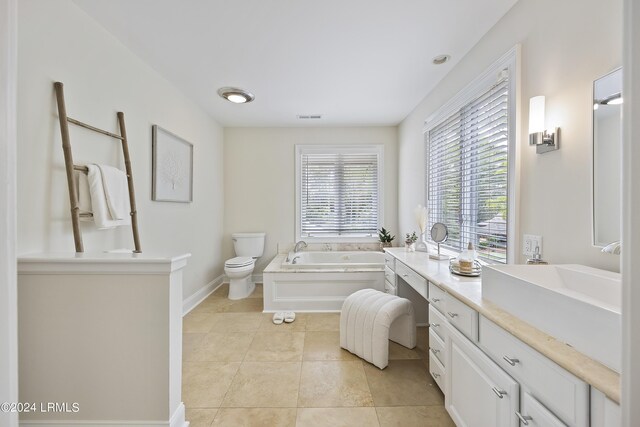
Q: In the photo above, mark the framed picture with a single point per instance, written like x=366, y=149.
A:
x=172, y=167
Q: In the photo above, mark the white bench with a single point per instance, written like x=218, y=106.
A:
x=370, y=318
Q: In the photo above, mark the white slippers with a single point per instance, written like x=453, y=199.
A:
x=289, y=316
x=278, y=318
x=283, y=316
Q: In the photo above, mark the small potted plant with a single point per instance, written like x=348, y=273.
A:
x=385, y=238
x=410, y=242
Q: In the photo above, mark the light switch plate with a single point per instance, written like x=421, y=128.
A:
x=529, y=244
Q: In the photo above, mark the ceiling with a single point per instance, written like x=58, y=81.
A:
x=355, y=62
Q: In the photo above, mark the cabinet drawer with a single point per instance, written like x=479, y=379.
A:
x=389, y=261
x=437, y=347
x=437, y=297
x=536, y=415
x=437, y=371
x=437, y=323
x=390, y=275
x=414, y=280
x=463, y=317
x=560, y=391
x=389, y=288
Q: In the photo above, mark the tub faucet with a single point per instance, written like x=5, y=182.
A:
x=612, y=248
x=300, y=246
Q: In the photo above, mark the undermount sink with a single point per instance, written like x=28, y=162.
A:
x=575, y=304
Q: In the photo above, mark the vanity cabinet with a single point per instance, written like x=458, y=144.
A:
x=479, y=393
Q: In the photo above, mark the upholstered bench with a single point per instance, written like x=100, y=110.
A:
x=370, y=318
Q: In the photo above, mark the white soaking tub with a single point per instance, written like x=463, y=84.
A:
x=319, y=280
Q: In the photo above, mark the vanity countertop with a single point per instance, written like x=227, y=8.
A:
x=469, y=291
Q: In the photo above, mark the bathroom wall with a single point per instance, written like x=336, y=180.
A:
x=58, y=41
x=565, y=46
x=259, y=176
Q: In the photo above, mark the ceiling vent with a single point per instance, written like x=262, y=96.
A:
x=309, y=116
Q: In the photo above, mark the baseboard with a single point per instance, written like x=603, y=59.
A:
x=191, y=302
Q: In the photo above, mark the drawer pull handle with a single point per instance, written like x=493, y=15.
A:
x=510, y=360
x=436, y=376
x=498, y=392
x=435, y=299
x=524, y=418
x=435, y=350
x=434, y=325
x=405, y=275
x=452, y=315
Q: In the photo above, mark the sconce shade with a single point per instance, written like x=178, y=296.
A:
x=536, y=114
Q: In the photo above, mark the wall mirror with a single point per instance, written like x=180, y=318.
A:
x=607, y=146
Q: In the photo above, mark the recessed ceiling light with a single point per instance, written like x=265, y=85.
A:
x=235, y=95
x=441, y=59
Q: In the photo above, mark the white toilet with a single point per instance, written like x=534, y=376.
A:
x=248, y=247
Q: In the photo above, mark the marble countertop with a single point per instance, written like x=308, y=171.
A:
x=469, y=291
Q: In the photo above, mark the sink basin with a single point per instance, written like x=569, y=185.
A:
x=575, y=304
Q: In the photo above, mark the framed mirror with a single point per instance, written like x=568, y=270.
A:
x=607, y=158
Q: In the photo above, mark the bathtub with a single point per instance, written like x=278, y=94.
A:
x=319, y=281
x=333, y=260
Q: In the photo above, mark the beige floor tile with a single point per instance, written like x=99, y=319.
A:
x=200, y=417
x=246, y=305
x=298, y=325
x=222, y=291
x=323, y=321
x=414, y=416
x=234, y=322
x=333, y=384
x=324, y=345
x=276, y=347
x=403, y=383
x=265, y=385
x=190, y=342
x=218, y=347
x=257, y=293
x=337, y=417
x=213, y=305
x=197, y=322
x=399, y=352
x=256, y=417
x=204, y=384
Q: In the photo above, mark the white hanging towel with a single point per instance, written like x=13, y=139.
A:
x=109, y=196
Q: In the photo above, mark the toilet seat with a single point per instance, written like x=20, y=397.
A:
x=238, y=262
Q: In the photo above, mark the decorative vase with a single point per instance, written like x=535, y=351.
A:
x=410, y=247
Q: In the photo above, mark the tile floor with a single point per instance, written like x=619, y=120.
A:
x=239, y=369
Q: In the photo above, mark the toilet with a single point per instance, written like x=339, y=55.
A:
x=248, y=248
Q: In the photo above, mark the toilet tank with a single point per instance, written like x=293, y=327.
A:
x=248, y=244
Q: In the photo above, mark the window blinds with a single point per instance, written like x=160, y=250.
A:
x=467, y=184
x=339, y=193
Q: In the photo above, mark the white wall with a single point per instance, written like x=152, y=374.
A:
x=58, y=41
x=259, y=176
x=565, y=46
x=8, y=292
x=630, y=223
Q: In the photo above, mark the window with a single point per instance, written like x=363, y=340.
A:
x=468, y=170
x=338, y=192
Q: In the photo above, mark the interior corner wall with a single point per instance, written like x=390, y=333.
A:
x=60, y=42
x=565, y=46
x=259, y=176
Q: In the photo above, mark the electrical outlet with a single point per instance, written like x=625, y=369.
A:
x=529, y=244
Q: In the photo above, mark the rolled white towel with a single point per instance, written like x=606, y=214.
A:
x=104, y=216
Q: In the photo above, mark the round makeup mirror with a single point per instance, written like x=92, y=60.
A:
x=439, y=234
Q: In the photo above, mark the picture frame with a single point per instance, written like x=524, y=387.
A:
x=171, y=167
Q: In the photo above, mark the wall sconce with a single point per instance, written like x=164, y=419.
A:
x=538, y=135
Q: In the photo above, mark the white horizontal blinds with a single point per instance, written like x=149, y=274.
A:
x=468, y=174
x=339, y=194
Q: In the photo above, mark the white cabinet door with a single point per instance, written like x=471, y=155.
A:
x=480, y=394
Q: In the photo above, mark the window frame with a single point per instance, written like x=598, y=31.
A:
x=301, y=149
x=509, y=63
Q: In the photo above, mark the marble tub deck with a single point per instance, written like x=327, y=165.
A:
x=239, y=369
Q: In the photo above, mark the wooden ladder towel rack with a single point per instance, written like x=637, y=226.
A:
x=71, y=167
